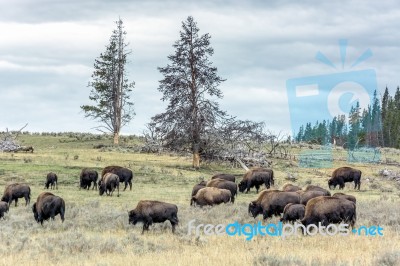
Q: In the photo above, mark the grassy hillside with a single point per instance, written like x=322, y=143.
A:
x=96, y=229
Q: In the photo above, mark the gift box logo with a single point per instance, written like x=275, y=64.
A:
x=322, y=97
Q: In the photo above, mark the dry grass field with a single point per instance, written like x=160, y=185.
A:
x=96, y=229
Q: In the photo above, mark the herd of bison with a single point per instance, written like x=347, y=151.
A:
x=309, y=205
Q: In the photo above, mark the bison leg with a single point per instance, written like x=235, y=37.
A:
x=130, y=185
x=126, y=185
x=257, y=188
x=16, y=202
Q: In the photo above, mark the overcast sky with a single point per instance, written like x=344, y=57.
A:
x=48, y=48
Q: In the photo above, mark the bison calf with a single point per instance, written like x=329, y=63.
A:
x=149, y=212
x=293, y=212
x=16, y=191
x=51, y=180
x=108, y=183
x=3, y=208
x=48, y=206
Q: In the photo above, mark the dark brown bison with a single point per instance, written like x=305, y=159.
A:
x=345, y=196
x=197, y=187
x=125, y=175
x=108, y=183
x=255, y=178
x=293, y=212
x=225, y=184
x=305, y=196
x=272, y=202
x=345, y=174
x=87, y=177
x=3, y=208
x=48, y=206
x=317, y=188
x=228, y=177
x=149, y=212
x=211, y=196
x=16, y=191
x=290, y=188
x=51, y=180
x=329, y=210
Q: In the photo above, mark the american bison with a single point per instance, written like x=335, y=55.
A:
x=16, y=191
x=255, y=178
x=317, y=188
x=227, y=177
x=48, y=206
x=51, y=180
x=225, y=184
x=108, y=183
x=149, y=212
x=211, y=196
x=305, y=196
x=87, y=177
x=290, y=188
x=345, y=174
x=199, y=186
x=345, y=196
x=272, y=202
x=293, y=212
x=329, y=210
x=125, y=175
x=3, y=208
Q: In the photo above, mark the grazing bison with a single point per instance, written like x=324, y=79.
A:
x=255, y=178
x=48, y=206
x=345, y=196
x=149, y=212
x=329, y=210
x=317, y=188
x=290, y=188
x=227, y=177
x=108, y=183
x=87, y=177
x=293, y=212
x=225, y=184
x=125, y=175
x=16, y=191
x=211, y=196
x=345, y=174
x=3, y=208
x=197, y=187
x=305, y=196
x=272, y=202
x=51, y=180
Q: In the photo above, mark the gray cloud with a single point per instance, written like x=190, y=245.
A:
x=48, y=49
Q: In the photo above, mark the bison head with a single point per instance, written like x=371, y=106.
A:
x=102, y=189
x=35, y=214
x=4, y=198
x=332, y=183
x=242, y=186
x=133, y=217
x=254, y=209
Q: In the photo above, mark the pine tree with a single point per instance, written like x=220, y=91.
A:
x=190, y=81
x=110, y=86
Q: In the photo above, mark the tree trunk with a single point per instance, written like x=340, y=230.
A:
x=196, y=160
x=196, y=156
x=116, y=138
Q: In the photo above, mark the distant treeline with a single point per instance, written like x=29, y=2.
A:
x=376, y=126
